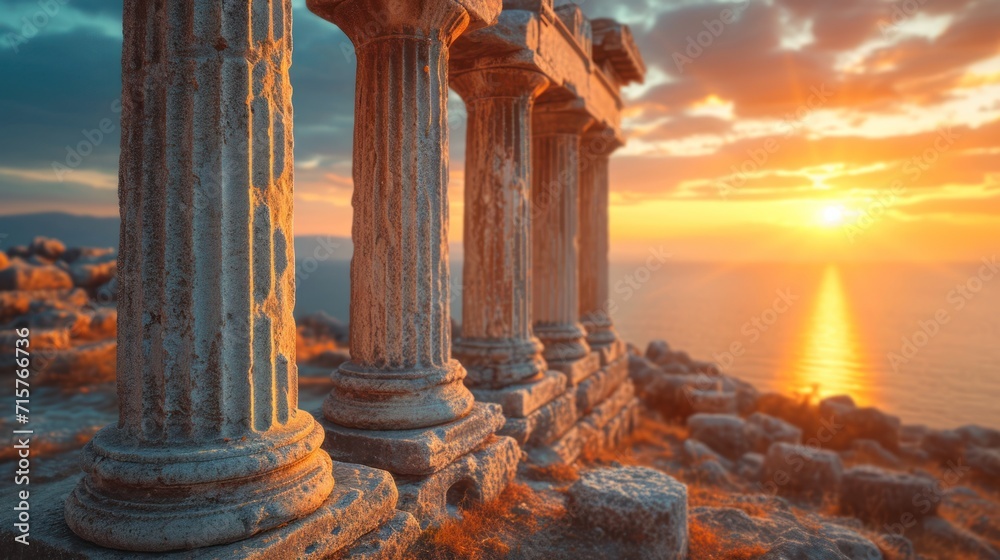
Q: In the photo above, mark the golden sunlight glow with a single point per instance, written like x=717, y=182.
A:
x=827, y=360
x=833, y=215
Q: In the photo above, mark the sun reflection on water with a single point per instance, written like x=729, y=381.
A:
x=828, y=358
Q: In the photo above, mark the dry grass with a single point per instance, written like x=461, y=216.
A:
x=710, y=496
x=560, y=474
x=706, y=544
x=489, y=530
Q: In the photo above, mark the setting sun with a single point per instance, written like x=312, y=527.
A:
x=833, y=215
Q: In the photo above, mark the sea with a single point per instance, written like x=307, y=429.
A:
x=921, y=341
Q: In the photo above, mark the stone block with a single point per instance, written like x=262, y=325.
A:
x=544, y=425
x=880, y=496
x=598, y=386
x=802, y=472
x=578, y=370
x=473, y=478
x=643, y=507
x=612, y=352
x=518, y=401
x=362, y=500
x=415, y=452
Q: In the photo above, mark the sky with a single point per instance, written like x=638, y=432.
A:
x=766, y=130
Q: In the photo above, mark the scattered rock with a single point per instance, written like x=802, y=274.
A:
x=658, y=352
x=4, y=260
x=330, y=359
x=48, y=248
x=763, y=430
x=943, y=445
x=985, y=464
x=643, y=373
x=634, y=504
x=979, y=436
x=870, y=451
x=697, y=452
x=22, y=276
x=781, y=535
x=712, y=401
x=879, y=496
x=18, y=251
x=322, y=326
x=958, y=540
x=750, y=466
x=898, y=546
x=858, y=423
x=724, y=433
x=91, y=255
x=801, y=471
x=91, y=276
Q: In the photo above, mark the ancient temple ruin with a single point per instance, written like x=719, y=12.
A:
x=211, y=452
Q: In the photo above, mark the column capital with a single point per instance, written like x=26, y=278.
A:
x=600, y=141
x=445, y=20
x=482, y=83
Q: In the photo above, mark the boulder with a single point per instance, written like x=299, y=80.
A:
x=870, y=451
x=724, y=433
x=658, y=352
x=322, y=326
x=696, y=452
x=643, y=372
x=18, y=251
x=22, y=276
x=711, y=401
x=762, y=430
x=943, y=445
x=880, y=496
x=985, y=464
x=779, y=535
x=81, y=365
x=852, y=422
x=641, y=506
x=750, y=466
x=708, y=368
x=802, y=472
x=4, y=260
x=979, y=436
x=88, y=255
x=42, y=339
x=330, y=359
x=712, y=473
x=91, y=276
x=47, y=248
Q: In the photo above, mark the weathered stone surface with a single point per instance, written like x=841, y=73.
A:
x=943, y=445
x=498, y=346
x=658, y=352
x=4, y=260
x=801, y=471
x=22, y=276
x=870, y=451
x=361, y=501
x=421, y=451
x=879, y=496
x=389, y=542
x=711, y=401
x=520, y=400
x=697, y=452
x=473, y=478
x=724, y=433
x=985, y=464
x=90, y=276
x=635, y=504
x=763, y=430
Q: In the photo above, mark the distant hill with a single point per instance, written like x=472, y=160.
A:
x=74, y=230
x=91, y=231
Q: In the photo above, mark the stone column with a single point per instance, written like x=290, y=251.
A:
x=210, y=446
x=555, y=215
x=497, y=346
x=401, y=375
x=596, y=148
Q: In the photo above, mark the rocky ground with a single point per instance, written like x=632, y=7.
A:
x=766, y=475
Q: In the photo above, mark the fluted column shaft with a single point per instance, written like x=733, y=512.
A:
x=597, y=147
x=555, y=217
x=498, y=347
x=209, y=429
x=401, y=375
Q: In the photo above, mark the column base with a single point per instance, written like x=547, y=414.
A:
x=375, y=399
x=601, y=333
x=361, y=508
x=474, y=478
x=563, y=342
x=497, y=363
x=417, y=452
x=160, y=498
